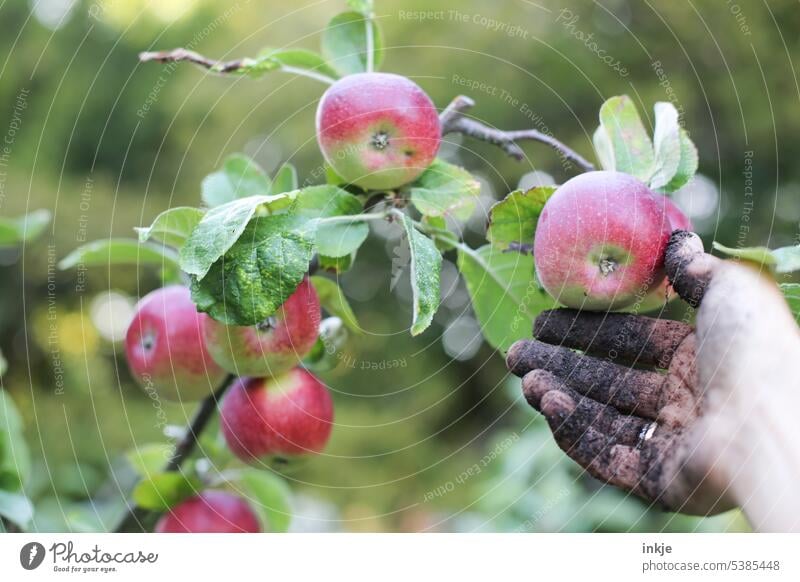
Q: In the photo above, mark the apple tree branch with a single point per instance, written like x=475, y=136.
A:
x=453, y=120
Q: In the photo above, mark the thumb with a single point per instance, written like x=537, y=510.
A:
x=689, y=268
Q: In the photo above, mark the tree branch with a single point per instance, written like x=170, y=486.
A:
x=453, y=120
x=182, y=54
x=132, y=520
x=240, y=66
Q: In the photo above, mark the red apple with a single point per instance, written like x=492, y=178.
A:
x=277, y=419
x=165, y=348
x=272, y=347
x=210, y=512
x=663, y=294
x=378, y=130
x=600, y=241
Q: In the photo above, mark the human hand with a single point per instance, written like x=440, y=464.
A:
x=695, y=420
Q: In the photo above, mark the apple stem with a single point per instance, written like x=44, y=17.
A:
x=453, y=120
x=134, y=517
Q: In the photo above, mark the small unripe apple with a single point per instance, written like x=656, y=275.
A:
x=274, y=420
x=210, y=512
x=661, y=295
x=165, y=348
x=273, y=346
x=600, y=241
x=378, y=130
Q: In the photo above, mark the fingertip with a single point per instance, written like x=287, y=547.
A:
x=556, y=406
x=688, y=266
x=536, y=384
x=514, y=357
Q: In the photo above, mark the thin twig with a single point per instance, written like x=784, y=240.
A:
x=183, y=449
x=182, y=54
x=453, y=120
x=226, y=67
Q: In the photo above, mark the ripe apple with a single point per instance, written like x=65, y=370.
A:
x=378, y=130
x=277, y=419
x=210, y=512
x=165, y=348
x=273, y=346
x=663, y=294
x=600, y=241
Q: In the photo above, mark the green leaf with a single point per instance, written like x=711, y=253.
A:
x=445, y=239
x=240, y=177
x=299, y=61
x=15, y=464
x=14, y=231
x=149, y=459
x=257, y=274
x=667, y=145
x=514, y=219
x=426, y=264
x=504, y=293
x=603, y=148
x=345, y=43
x=16, y=507
x=630, y=144
x=445, y=190
x=760, y=255
x=782, y=260
x=334, y=302
x=787, y=259
x=173, y=226
x=336, y=264
x=3, y=364
x=219, y=229
x=791, y=291
x=688, y=165
x=285, y=180
x=118, y=251
x=322, y=212
x=165, y=490
x=272, y=495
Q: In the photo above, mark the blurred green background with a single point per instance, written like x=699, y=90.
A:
x=106, y=143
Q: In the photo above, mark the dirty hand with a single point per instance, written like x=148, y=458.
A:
x=695, y=420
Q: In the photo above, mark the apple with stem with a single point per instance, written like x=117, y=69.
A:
x=600, y=241
x=273, y=346
x=210, y=512
x=165, y=348
x=275, y=420
x=378, y=130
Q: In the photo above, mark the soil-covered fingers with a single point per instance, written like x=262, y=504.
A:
x=689, y=268
x=629, y=390
x=621, y=337
x=600, y=454
x=588, y=413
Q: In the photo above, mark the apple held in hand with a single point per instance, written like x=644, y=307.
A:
x=378, y=130
x=165, y=348
x=273, y=346
x=600, y=241
x=210, y=512
x=277, y=419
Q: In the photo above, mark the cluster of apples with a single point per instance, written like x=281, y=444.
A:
x=600, y=243
x=274, y=411
x=377, y=131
